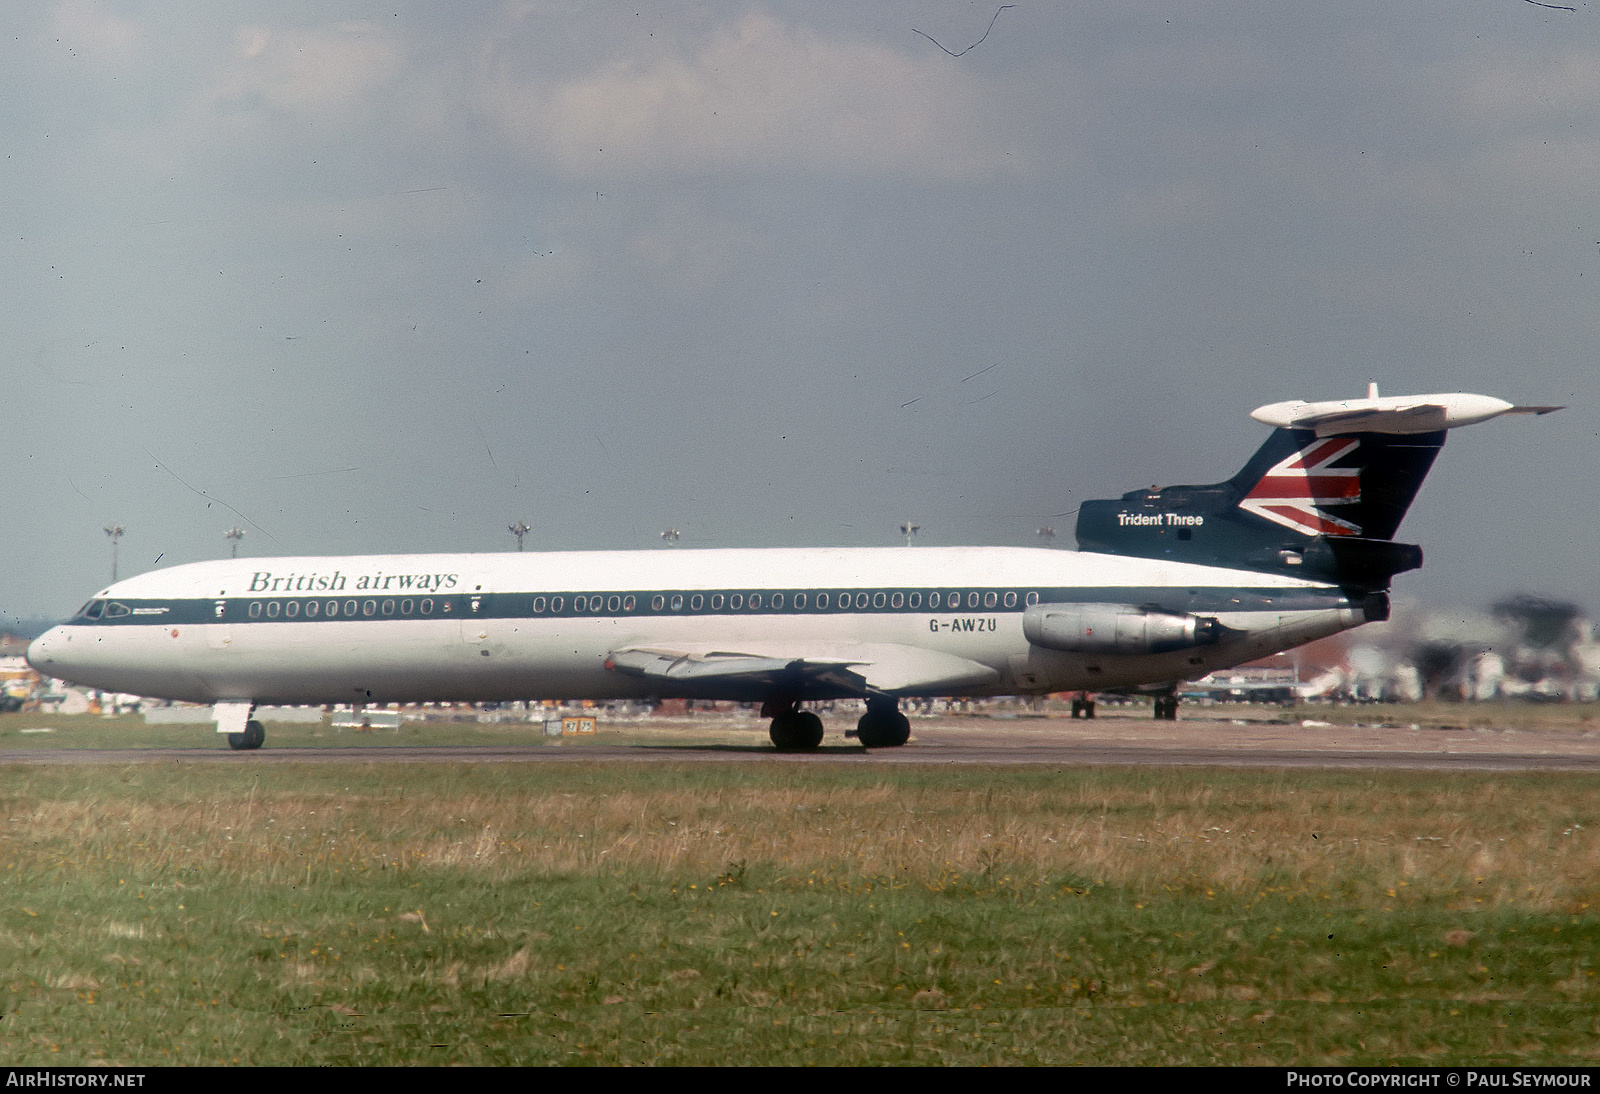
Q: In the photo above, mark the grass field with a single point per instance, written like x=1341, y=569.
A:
x=33, y=731
x=774, y=914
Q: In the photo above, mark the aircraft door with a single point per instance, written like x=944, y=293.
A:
x=219, y=633
x=474, y=605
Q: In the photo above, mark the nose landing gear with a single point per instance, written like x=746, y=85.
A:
x=252, y=737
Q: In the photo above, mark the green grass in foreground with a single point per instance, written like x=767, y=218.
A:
x=343, y=913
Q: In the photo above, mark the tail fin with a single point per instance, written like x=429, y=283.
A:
x=1323, y=497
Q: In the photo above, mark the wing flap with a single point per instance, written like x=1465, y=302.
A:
x=826, y=672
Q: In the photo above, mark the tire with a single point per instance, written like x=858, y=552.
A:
x=796, y=731
x=883, y=729
x=252, y=738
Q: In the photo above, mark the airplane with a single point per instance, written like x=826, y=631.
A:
x=1168, y=585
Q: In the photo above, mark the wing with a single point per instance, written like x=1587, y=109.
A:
x=822, y=672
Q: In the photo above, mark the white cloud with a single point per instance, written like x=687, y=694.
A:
x=320, y=72
x=759, y=97
x=87, y=31
x=1532, y=88
x=1532, y=122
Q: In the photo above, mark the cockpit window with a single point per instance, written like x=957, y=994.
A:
x=115, y=610
x=92, y=609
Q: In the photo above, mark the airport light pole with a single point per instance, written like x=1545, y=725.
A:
x=1047, y=534
x=908, y=529
x=115, y=531
x=234, y=534
x=670, y=536
x=519, y=530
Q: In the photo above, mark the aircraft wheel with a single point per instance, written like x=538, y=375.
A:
x=1166, y=708
x=796, y=731
x=252, y=737
x=883, y=729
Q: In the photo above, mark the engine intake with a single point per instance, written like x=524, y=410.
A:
x=1116, y=628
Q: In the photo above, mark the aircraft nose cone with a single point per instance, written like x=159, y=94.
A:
x=41, y=651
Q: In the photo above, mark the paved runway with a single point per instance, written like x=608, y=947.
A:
x=1203, y=739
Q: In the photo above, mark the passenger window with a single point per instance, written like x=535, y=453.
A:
x=736, y=601
x=990, y=599
x=677, y=602
x=658, y=600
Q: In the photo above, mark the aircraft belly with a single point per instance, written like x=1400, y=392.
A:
x=507, y=659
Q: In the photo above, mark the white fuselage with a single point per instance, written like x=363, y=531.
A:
x=416, y=628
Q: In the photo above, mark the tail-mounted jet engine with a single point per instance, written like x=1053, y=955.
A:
x=1116, y=628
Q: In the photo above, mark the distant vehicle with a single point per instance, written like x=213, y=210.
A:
x=1169, y=585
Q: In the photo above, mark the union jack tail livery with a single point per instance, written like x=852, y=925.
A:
x=1322, y=497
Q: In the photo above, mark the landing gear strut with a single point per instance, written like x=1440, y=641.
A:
x=883, y=726
x=252, y=737
x=1083, y=706
x=1166, y=709
x=792, y=729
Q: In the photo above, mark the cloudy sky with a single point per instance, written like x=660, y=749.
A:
x=362, y=278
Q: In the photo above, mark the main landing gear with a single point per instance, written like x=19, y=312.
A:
x=796, y=730
x=883, y=726
x=792, y=729
x=1166, y=708
x=252, y=737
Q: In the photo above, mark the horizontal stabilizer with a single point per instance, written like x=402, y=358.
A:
x=1395, y=414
